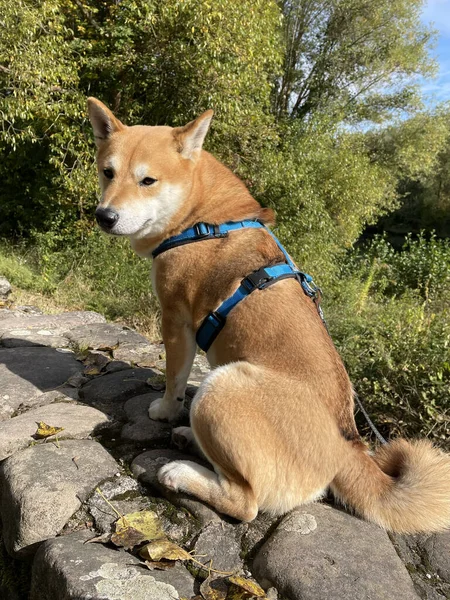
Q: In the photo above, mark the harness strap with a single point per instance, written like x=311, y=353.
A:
x=257, y=280
x=204, y=231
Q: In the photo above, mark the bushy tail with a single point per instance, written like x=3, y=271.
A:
x=404, y=487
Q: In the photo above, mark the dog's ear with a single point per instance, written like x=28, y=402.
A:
x=103, y=122
x=189, y=139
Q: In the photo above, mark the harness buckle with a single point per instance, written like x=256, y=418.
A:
x=258, y=279
x=205, y=230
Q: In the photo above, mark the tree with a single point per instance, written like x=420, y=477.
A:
x=354, y=58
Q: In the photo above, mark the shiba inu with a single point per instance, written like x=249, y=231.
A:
x=275, y=416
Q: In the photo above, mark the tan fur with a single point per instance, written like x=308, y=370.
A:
x=275, y=416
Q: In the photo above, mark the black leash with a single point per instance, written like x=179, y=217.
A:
x=379, y=437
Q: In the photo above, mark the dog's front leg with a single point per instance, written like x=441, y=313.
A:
x=179, y=341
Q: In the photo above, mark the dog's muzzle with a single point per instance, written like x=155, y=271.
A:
x=106, y=217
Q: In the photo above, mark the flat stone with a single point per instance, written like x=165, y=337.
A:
x=141, y=428
x=320, y=552
x=104, y=336
x=66, y=568
x=220, y=542
x=44, y=485
x=58, y=324
x=19, y=338
x=109, y=392
x=5, y=287
x=424, y=564
x=27, y=372
x=143, y=355
x=78, y=422
x=437, y=548
x=145, y=468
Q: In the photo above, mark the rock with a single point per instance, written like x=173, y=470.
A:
x=437, y=548
x=146, y=466
x=124, y=494
x=220, y=542
x=44, y=485
x=109, y=392
x=200, y=369
x=143, y=355
x=104, y=336
x=141, y=428
x=27, y=372
x=417, y=554
x=320, y=552
x=78, y=422
x=67, y=568
x=5, y=287
x=256, y=532
x=58, y=324
x=19, y=338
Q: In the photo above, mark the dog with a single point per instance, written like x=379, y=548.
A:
x=274, y=417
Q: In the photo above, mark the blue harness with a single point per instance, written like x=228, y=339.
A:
x=257, y=280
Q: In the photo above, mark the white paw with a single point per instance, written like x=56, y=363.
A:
x=160, y=410
x=182, y=437
x=173, y=474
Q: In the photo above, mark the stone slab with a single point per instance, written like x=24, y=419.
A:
x=109, y=392
x=78, y=422
x=27, y=372
x=57, y=323
x=104, y=336
x=44, y=485
x=66, y=568
x=220, y=543
x=141, y=428
x=19, y=338
x=320, y=552
x=145, y=468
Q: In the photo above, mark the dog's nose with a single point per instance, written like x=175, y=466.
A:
x=106, y=217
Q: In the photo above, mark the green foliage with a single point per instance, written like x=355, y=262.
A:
x=390, y=318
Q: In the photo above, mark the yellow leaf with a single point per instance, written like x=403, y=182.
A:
x=45, y=431
x=135, y=528
x=214, y=588
x=242, y=588
x=164, y=549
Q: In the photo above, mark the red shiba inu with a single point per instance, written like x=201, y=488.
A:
x=275, y=416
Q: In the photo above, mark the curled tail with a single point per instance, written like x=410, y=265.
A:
x=404, y=487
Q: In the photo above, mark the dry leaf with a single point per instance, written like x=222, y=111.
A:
x=135, y=528
x=159, y=565
x=214, y=588
x=242, y=588
x=163, y=549
x=92, y=370
x=45, y=431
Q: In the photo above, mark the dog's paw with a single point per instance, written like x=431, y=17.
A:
x=182, y=437
x=160, y=410
x=172, y=475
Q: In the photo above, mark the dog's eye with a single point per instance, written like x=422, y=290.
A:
x=108, y=173
x=148, y=181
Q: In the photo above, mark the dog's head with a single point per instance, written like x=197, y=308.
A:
x=146, y=173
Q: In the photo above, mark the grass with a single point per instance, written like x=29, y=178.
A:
x=100, y=274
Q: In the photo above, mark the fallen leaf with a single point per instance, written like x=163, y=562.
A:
x=135, y=528
x=45, y=431
x=92, y=370
x=156, y=380
x=242, y=588
x=159, y=565
x=163, y=549
x=214, y=588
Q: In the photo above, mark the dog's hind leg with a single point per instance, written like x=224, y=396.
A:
x=265, y=454
x=234, y=498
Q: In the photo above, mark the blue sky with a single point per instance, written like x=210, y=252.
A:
x=438, y=12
